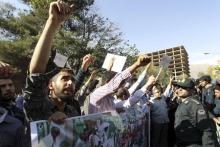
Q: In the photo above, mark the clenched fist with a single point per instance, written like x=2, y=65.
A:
x=143, y=60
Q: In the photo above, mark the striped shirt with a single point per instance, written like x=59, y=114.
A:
x=101, y=100
x=131, y=101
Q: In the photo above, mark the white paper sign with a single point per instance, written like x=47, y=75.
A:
x=165, y=61
x=60, y=60
x=114, y=62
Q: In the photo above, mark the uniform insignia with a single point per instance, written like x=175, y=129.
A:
x=195, y=101
x=201, y=112
x=186, y=102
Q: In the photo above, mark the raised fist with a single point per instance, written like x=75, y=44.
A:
x=87, y=60
x=5, y=69
x=143, y=60
x=60, y=10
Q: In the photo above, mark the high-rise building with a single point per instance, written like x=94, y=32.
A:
x=179, y=64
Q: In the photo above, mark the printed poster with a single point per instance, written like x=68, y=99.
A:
x=95, y=130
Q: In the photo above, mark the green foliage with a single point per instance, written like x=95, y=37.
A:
x=164, y=76
x=214, y=71
x=84, y=32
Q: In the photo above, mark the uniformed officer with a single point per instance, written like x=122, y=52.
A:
x=207, y=95
x=192, y=124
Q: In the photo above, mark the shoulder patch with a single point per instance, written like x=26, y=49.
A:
x=209, y=85
x=186, y=102
x=201, y=112
x=197, y=102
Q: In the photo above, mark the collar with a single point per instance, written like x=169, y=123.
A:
x=186, y=100
x=208, y=85
x=181, y=100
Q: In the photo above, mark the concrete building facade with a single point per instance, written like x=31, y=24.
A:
x=179, y=64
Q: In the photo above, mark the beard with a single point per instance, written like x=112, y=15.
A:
x=63, y=95
x=65, y=98
x=8, y=97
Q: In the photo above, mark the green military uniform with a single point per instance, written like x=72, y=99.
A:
x=192, y=124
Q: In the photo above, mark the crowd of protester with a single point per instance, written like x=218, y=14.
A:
x=185, y=114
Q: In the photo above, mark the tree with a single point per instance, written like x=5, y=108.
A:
x=214, y=71
x=85, y=32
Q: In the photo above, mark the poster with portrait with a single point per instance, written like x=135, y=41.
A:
x=95, y=130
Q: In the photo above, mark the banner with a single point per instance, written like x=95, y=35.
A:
x=95, y=130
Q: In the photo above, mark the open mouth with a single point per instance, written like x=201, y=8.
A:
x=68, y=90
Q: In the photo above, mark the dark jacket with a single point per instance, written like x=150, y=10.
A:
x=193, y=125
x=12, y=130
x=37, y=104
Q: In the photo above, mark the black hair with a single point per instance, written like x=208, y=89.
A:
x=158, y=86
x=107, y=76
x=54, y=77
x=92, y=85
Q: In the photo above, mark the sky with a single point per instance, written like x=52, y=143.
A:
x=159, y=24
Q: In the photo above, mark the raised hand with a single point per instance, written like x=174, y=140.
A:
x=143, y=60
x=110, y=64
x=5, y=69
x=93, y=74
x=87, y=60
x=171, y=79
x=58, y=117
x=151, y=80
x=60, y=10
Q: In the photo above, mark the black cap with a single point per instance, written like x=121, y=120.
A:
x=185, y=83
x=205, y=78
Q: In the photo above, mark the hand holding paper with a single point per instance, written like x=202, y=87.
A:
x=58, y=117
x=114, y=62
x=164, y=63
x=110, y=63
